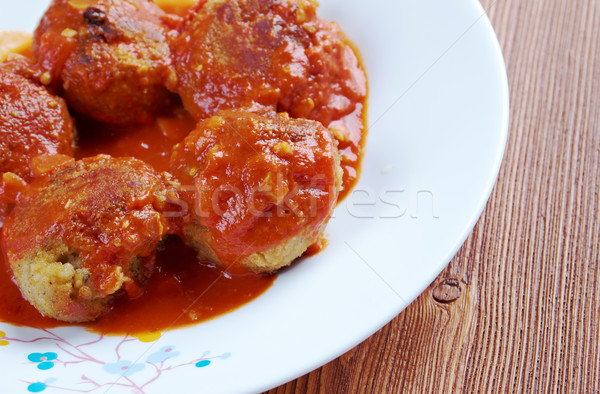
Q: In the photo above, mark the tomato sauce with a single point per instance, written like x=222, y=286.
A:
x=183, y=290
x=151, y=143
x=351, y=149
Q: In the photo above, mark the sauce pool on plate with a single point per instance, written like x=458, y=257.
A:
x=183, y=290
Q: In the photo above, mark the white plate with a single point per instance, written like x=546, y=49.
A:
x=438, y=114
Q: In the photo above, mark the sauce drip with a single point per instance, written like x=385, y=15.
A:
x=351, y=148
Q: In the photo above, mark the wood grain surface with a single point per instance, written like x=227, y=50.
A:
x=518, y=308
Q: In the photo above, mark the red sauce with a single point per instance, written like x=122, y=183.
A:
x=151, y=143
x=316, y=248
x=183, y=290
x=351, y=149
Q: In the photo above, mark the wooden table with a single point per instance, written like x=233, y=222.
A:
x=518, y=308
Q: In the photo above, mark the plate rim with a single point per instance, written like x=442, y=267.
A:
x=270, y=382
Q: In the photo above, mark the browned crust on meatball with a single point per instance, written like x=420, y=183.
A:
x=276, y=53
x=109, y=59
x=86, y=232
x=32, y=122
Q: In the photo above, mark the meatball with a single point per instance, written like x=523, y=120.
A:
x=84, y=233
x=21, y=65
x=264, y=187
x=33, y=122
x=108, y=58
x=276, y=53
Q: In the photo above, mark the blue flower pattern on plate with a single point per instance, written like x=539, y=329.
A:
x=74, y=355
x=165, y=353
x=36, y=387
x=124, y=368
x=44, y=360
x=203, y=363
